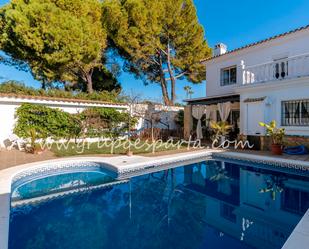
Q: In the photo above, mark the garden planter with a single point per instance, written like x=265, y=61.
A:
x=276, y=149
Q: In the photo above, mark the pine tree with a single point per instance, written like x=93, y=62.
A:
x=60, y=40
x=161, y=41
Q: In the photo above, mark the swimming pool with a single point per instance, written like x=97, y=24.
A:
x=211, y=204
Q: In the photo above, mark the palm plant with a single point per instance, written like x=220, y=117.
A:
x=32, y=135
x=188, y=90
x=276, y=134
x=221, y=128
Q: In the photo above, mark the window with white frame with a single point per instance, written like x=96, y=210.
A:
x=228, y=76
x=294, y=200
x=295, y=113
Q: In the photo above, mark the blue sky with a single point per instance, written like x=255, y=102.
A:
x=233, y=22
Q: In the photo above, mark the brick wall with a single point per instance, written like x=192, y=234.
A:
x=288, y=141
x=296, y=140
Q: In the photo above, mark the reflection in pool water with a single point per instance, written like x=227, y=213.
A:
x=59, y=183
x=205, y=205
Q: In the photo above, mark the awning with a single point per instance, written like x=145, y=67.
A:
x=248, y=100
x=213, y=100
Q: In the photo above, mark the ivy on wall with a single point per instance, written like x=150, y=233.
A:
x=105, y=121
x=47, y=122
x=55, y=123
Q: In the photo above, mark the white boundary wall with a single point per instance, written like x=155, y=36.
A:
x=9, y=104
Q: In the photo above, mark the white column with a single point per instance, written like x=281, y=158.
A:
x=241, y=74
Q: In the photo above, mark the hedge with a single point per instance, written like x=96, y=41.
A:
x=57, y=124
x=48, y=122
x=14, y=87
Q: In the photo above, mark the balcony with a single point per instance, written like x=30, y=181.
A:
x=287, y=68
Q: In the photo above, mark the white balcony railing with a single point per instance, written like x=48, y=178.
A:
x=288, y=68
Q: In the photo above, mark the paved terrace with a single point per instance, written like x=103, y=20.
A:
x=14, y=157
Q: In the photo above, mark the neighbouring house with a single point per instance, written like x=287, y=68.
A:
x=10, y=102
x=263, y=81
x=157, y=121
x=157, y=115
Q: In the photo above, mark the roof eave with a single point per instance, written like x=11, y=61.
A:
x=257, y=43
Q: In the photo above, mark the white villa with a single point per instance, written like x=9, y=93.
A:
x=263, y=81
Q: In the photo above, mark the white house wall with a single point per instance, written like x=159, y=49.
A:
x=275, y=94
x=289, y=45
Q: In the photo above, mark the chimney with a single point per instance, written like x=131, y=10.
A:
x=220, y=49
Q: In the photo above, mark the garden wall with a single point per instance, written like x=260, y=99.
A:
x=9, y=103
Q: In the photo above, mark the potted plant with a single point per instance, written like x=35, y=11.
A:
x=277, y=136
x=221, y=129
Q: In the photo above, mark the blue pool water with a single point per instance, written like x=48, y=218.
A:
x=211, y=205
x=59, y=183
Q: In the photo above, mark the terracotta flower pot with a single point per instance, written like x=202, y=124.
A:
x=276, y=149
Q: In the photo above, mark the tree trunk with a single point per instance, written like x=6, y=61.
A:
x=89, y=83
x=173, y=91
x=171, y=73
x=43, y=85
x=166, y=98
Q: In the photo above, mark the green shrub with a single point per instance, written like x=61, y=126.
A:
x=105, y=121
x=15, y=87
x=47, y=122
x=57, y=124
x=106, y=114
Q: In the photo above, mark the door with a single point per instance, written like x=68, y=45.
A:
x=255, y=114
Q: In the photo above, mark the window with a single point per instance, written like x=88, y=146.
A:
x=227, y=212
x=295, y=113
x=228, y=76
x=294, y=200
